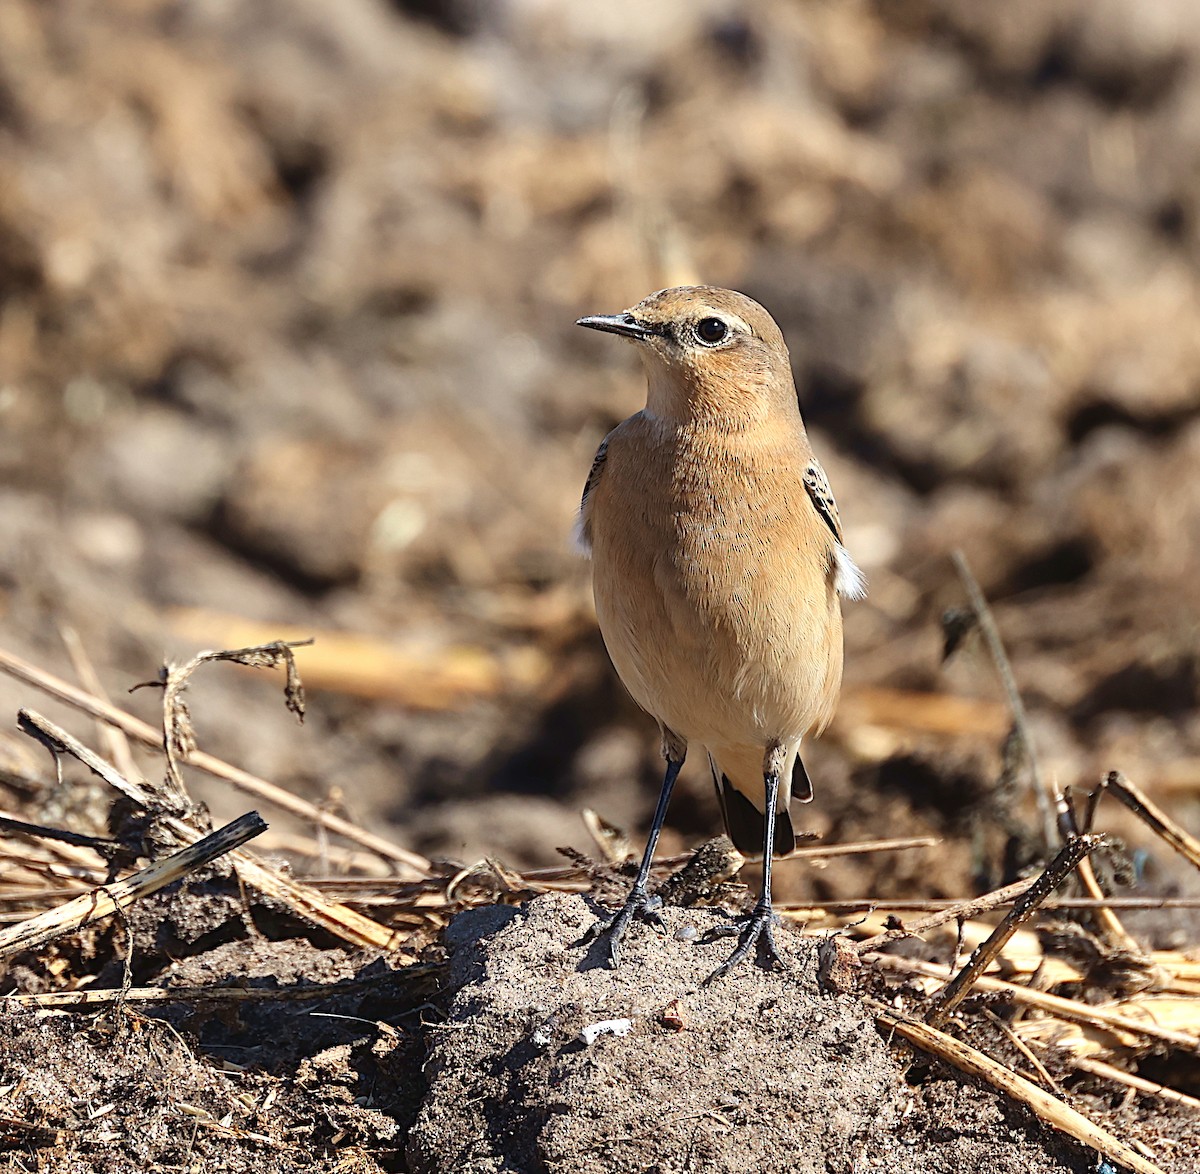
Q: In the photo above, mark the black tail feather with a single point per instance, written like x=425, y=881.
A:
x=746, y=825
x=802, y=788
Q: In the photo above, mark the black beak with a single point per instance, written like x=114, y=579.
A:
x=623, y=324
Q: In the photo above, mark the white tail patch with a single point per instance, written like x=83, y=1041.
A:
x=848, y=580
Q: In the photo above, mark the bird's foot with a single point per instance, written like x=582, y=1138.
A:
x=755, y=931
x=641, y=906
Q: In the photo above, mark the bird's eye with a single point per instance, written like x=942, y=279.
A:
x=711, y=330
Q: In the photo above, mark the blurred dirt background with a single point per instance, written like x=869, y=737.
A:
x=286, y=306
x=287, y=293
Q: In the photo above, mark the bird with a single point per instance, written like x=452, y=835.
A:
x=718, y=569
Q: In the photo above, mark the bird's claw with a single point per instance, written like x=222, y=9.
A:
x=640, y=905
x=757, y=930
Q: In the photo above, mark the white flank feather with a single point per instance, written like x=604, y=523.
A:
x=848, y=580
x=579, y=542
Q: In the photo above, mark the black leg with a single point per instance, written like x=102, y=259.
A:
x=640, y=904
x=758, y=928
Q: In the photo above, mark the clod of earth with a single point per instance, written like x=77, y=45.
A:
x=763, y=1071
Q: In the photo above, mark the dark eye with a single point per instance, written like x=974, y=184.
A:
x=711, y=330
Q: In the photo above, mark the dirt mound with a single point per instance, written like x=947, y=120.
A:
x=763, y=1071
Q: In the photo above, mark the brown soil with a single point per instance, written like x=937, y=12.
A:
x=348, y=1063
x=286, y=305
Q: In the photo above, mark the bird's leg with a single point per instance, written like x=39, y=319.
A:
x=639, y=903
x=758, y=930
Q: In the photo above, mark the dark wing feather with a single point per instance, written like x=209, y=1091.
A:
x=848, y=580
x=582, y=540
x=817, y=485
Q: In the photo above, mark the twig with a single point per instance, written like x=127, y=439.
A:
x=107, y=899
x=959, y=911
x=606, y=834
x=1106, y=920
x=303, y=899
x=1151, y=814
x=58, y=741
x=41, y=832
x=430, y=680
x=617, y=856
x=1046, y=1106
x=22, y=670
x=861, y=848
x=348, y=860
x=1120, y=1076
x=45, y=869
x=178, y=734
x=1022, y=1047
x=1055, y=873
x=612, y=842
x=1054, y=1004
x=310, y=905
x=1043, y=791
x=26, y=1133
x=939, y=905
x=114, y=740
x=90, y=997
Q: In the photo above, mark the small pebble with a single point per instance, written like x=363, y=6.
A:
x=686, y=933
x=671, y=1017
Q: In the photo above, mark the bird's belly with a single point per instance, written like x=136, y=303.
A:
x=740, y=654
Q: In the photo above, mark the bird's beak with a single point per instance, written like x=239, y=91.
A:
x=623, y=324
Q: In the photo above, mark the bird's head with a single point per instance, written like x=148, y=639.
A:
x=708, y=353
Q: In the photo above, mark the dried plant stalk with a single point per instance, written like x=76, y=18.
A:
x=1069, y=1009
x=55, y=687
x=962, y=911
x=1045, y=1105
x=306, y=901
x=102, y=902
x=1043, y=791
x=91, y=997
x=1056, y=872
x=1129, y=1080
x=179, y=735
x=1150, y=813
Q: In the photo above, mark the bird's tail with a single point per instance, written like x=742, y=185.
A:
x=744, y=822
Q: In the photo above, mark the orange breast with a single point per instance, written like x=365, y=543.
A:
x=713, y=583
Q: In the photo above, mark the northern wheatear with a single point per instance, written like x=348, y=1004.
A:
x=717, y=565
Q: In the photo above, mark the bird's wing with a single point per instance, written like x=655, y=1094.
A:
x=848, y=579
x=817, y=485
x=580, y=536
